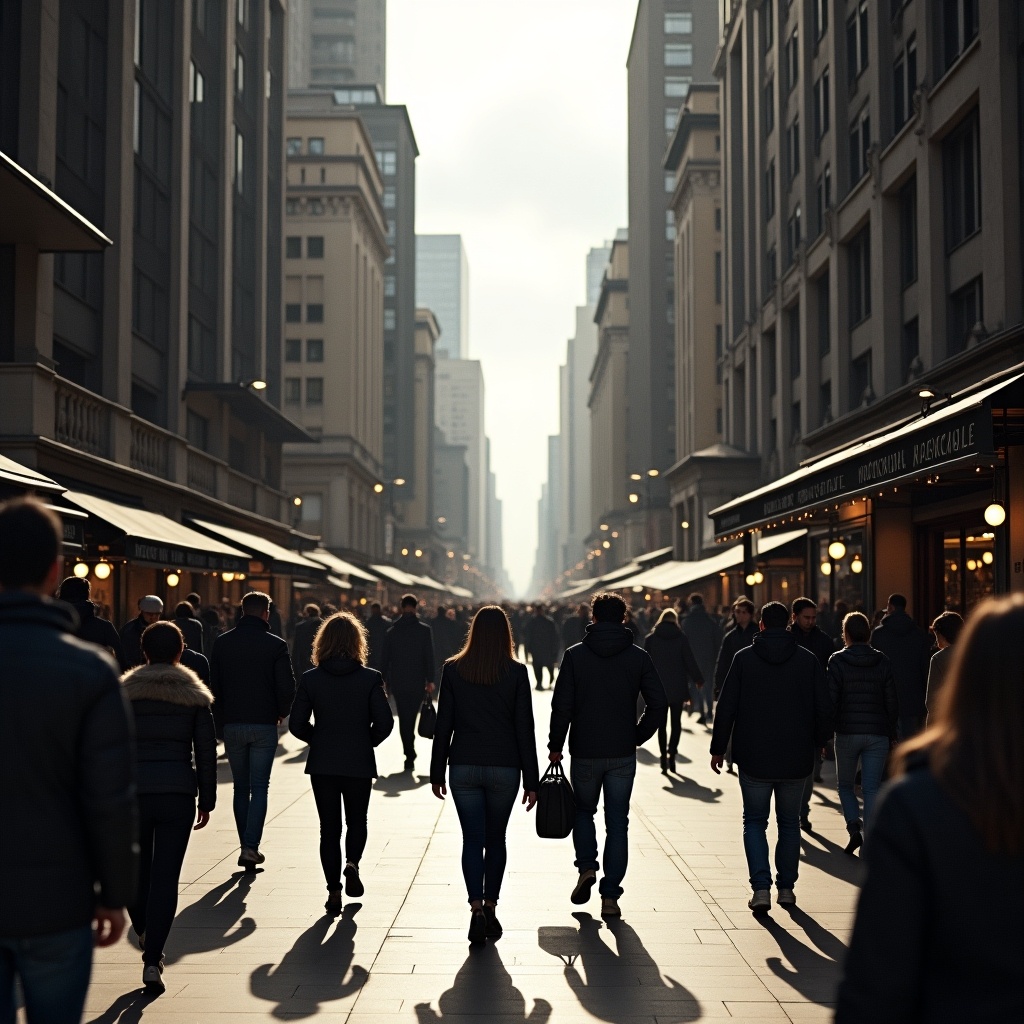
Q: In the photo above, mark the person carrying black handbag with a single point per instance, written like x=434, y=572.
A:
x=485, y=733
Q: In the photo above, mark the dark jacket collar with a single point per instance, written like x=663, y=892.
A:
x=17, y=607
x=253, y=622
x=774, y=645
x=606, y=639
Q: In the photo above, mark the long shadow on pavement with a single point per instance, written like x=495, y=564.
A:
x=126, y=1009
x=214, y=921
x=643, y=993
x=833, y=860
x=483, y=988
x=645, y=756
x=692, y=789
x=814, y=975
x=313, y=970
x=399, y=783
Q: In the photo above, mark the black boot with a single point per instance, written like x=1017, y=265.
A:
x=856, y=837
x=664, y=763
x=672, y=763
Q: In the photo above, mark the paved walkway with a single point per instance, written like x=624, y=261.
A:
x=259, y=948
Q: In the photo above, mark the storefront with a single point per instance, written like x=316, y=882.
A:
x=931, y=507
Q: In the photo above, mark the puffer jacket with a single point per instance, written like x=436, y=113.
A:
x=673, y=659
x=863, y=692
x=173, y=719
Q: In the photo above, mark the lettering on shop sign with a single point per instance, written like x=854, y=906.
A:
x=944, y=444
x=181, y=558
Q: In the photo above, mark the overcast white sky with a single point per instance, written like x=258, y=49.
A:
x=519, y=111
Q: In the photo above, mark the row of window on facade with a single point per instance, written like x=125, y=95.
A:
x=314, y=390
x=315, y=312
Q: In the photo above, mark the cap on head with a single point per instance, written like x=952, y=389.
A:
x=151, y=603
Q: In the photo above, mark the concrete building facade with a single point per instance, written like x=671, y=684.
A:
x=337, y=43
x=442, y=284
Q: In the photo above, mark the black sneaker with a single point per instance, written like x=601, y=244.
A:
x=581, y=894
x=494, y=929
x=333, y=904
x=478, y=926
x=353, y=883
x=151, y=978
x=856, y=840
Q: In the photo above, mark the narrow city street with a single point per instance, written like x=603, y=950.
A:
x=259, y=948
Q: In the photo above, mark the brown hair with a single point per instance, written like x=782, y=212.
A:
x=488, y=650
x=976, y=746
x=162, y=643
x=856, y=627
x=340, y=636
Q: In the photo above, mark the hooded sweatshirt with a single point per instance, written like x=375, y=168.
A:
x=596, y=692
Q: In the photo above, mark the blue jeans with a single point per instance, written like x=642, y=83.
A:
x=757, y=799
x=614, y=777
x=54, y=971
x=701, y=696
x=250, y=750
x=484, y=796
x=871, y=751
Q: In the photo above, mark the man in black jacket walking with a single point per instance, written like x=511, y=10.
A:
x=408, y=666
x=776, y=705
x=151, y=608
x=909, y=648
x=542, y=639
x=303, y=637
x=67, y=797
x=253, y=688
x=740, y=636
x=595, y=697
x=92, y=627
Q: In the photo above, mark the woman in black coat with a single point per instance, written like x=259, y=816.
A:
x=176, y=753
x=351, y=716
x=673, y=658
x=939, y=933
x=485, y=734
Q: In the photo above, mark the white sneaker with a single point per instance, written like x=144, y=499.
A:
x=761, y=901
x=786, y=898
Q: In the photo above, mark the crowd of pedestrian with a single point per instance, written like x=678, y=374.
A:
x=108, y=746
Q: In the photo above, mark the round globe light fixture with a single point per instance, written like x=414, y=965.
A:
x=634, y=498
x=750, y=580
x=173, y=579
x=856, y=565
x=837, y=551
x=995, y=514
x=758, y=576
x=102, y=570
x=987, y=557
x=81, y=570
x=826, y=568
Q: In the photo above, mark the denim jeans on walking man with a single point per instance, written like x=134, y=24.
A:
x=54, y=971
x=250, y=750
x=757, y=796
x=612, y=776
x=872, y=752
x=484, y=796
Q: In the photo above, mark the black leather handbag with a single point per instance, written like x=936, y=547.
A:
x=556, y=805
x=428, y=718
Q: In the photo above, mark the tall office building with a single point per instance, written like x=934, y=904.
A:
x=597, y=263
x=442, y=284
x=335, y=43
x=673, y=46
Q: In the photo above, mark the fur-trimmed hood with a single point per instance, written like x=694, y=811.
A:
x=172, y=683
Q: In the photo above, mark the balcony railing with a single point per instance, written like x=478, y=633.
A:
x=82, y=419
x=150, y=448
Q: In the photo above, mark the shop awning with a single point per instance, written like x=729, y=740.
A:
x=403, y=579
x=339, y=583
x=280, y=559
x=956, y=435
x=460, y=591
x=339, y=565
x=155, y=539
x=14, y=473
x=429, y=581
x=670, y=575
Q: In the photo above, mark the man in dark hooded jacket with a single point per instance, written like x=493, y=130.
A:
x=92, y=627
x=408, y=666
x=909, y=649
x=705, y=636
x=377, y=625
x=595, y=697
x=776, y=704
x=191, y=628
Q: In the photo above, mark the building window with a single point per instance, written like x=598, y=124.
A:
x=670, y=226
x=793, y=236
x=718, y=278
x=820, y=18
x=312, y=508
x=670, y=183
x=239, y=162
x=293, y=350
x=293, y=247
x=315, y=207
x=389, y=287
x=293, y=313
x=861, y=391
x=677, y=87
x=769, y=191
x=859, y=262
x=965, y=310
x=771, y=363
x=671, y=114
x=857, y=41
x=196, y=84
x=822, y=117
x=796, y=423
x=825, y=403
x=769, y=106
x=293, y=207
x=314, y=313
x=389, y=319
x=388, y=199
x=316, y=146
x=909, y=348
x=793, y=336
x=197, y=431
x=719, y=352
x=771, y=267
x=860, y=140
x=314, y=350
x=387, y=161
x=959, y=28
x=907, y=199
x=823, y=195
x=904, y=83
x=292, y=390
x=679, y=24
x=294, y=147
x=314, y=391
x=792, y=60
x=315, y=247
x=239, y=74
x=824, y=297
x=718, y=218
x=768, y=17
x=793, y=150
x=679, y=55
x=962, y=175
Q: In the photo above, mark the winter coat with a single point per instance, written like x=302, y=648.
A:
x=376, y=629
x=735, y=640
x=352, y=717
x=96, y=630
x=815, y=640
x=596, y=694
x=673, y=660
x=175, y=740
x=197, y=663
x=131, y=641
x=776, y=705
x=448, y=636
x=302, y=644
x=251, y=675
x=705, y=636
x=67, y=765
x=192, y=631
x=938, y=669
x=407, y=663
x=863, y=692
x=542, y=639
x=485, y=723
x=939, y=932
x=909, y=648
x=574, y=629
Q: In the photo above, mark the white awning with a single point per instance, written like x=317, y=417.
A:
x=460, y=591
x=339, y=565
x=403, y=579
x=261, y=549
x=339, y=583
x=12, y=472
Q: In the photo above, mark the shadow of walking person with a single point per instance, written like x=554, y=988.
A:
x=833, y=859
x=126, y=1009
x=814, y=973
x=691, y=789
x=313, y=970
x=484, y=988
x=399, y=783
x=620, y=983
x=213, y=922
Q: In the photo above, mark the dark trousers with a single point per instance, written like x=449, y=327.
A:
x=668, y=742
x=54, y=972
x=538, y=671
x=408, y=705
x=330, y=792
x=165, y=827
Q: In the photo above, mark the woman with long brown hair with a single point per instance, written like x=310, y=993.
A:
x=485, y=733
x=352, y=716
x=939, y=934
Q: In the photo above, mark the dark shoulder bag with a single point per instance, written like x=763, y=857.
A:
x=556, y=805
